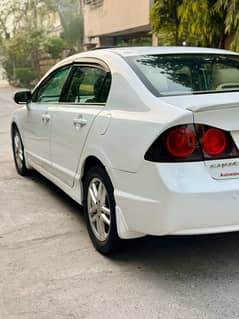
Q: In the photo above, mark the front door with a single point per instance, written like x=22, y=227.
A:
x=38, y=120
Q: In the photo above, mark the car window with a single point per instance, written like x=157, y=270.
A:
x=50, y=90
x=179, y=74
x=88, y=85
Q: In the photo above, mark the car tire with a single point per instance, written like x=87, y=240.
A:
x=18, y=153
x=99, y=210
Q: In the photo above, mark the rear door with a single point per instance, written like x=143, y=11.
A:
x=84, y=97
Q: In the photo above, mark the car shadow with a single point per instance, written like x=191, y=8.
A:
x=204, y=256
x=57, y=193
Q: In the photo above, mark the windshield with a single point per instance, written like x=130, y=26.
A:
x=182, y=74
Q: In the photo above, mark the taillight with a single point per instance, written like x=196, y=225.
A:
x=181, y=142
x=214, y=141
x=192, y=142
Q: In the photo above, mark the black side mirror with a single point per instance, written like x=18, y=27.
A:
x=23, y=97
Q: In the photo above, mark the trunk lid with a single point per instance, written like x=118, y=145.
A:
x=220, y=110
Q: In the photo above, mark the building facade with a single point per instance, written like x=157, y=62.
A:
x=117, y=22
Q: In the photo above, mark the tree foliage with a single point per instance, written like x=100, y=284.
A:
x=201, y=22
x=25, y=27
x=71, y=20
x=231, y=21
x=164, y=20
x=23, y=42
x=54, y=46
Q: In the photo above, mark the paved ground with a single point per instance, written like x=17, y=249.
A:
x=49, y=269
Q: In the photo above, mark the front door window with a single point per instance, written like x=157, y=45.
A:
x=50, y=90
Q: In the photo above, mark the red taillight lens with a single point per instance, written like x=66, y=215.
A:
x=192, y=142
x=181, y=142
x=214, y=142
x=177, y=144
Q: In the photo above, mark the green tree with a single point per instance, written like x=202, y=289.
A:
x=23, y=43
x=165, y=21
x=71, y=20
x=11, y=11
x=54, y=46
x=23, y=51
x=231, y=20
x=73, y=33
x=201, y=24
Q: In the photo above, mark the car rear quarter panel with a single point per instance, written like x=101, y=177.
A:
x=131, y=120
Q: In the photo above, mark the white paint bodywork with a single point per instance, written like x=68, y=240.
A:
x=151, y=198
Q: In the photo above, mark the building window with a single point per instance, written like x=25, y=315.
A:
x=94, y=3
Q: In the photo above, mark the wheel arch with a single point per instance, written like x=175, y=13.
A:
x=14, y=125
x=121, y=224
x=89, y=162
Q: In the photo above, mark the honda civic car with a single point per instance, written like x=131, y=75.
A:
x=145, y=139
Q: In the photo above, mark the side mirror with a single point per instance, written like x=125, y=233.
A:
x=23, y=97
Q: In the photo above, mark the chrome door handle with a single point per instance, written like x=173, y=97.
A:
x=80, y=121
x=46, y=117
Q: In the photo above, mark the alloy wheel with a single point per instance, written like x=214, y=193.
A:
x=18, y=150
x=99, y=209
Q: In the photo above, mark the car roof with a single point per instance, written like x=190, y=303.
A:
x=134, y=51
x=129, y=51
x=110, y=52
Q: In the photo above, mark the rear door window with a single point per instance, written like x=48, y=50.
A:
x=88, y=85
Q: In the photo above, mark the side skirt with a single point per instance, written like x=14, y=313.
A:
x=74, y=192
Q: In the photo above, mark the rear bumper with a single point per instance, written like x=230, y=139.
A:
x=179, y=198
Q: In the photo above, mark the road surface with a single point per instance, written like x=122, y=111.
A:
x=49, y=269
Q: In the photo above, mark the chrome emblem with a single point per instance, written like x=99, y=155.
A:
x=223, y=165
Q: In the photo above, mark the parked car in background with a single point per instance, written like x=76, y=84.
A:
x=146, y=139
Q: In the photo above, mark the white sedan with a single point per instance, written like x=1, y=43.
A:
x=146, y=139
